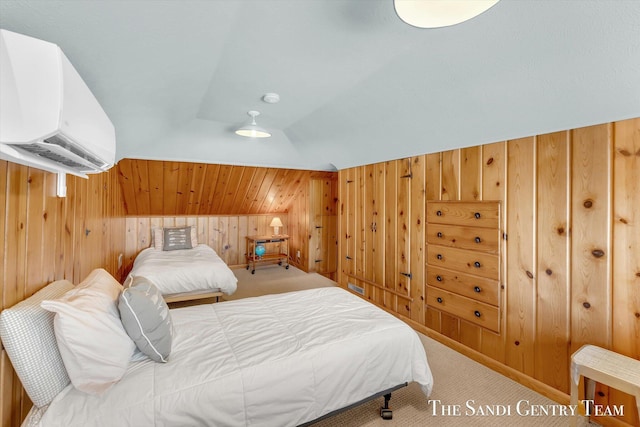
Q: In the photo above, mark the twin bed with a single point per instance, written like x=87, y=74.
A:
x=285, y=360
x=185, y=274
x=192, y=271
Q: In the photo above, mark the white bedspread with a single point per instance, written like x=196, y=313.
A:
x=185, y=270
x=276, y=360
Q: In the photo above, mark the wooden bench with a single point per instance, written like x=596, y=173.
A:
x=597, y=364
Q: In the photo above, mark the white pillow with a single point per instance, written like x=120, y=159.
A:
x=93, y=344
x=157, y=236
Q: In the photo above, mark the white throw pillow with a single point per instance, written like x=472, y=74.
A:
x=93, y=344
x=29, y=339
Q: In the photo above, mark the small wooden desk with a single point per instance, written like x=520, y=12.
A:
x=597, y=364
x=281, y=256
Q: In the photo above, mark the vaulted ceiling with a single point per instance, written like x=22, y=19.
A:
x=357, y=85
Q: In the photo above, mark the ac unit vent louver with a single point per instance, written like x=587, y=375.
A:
x=58, y=150
x=59, y=140
x=43, y=152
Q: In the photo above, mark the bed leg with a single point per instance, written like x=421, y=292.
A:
x=385, y=412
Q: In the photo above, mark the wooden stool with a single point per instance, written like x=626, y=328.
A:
x=597, y=364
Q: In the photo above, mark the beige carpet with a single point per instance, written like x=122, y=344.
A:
x=459, y=382
x=274, y=279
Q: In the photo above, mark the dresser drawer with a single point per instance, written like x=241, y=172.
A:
x=469, y=262
x=475, y=214
x=457, y=236
x=474, y=287
x=465, y=308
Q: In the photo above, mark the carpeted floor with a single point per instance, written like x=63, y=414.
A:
x=469, y=393
x=274, y=279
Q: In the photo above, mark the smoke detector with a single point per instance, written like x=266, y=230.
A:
x=271, y=98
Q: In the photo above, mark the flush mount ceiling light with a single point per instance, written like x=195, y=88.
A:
x=439, y=13
x=252, y=130
x=271, y=98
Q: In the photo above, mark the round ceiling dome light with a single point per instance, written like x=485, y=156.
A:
x=439, y=13
x=271, y=98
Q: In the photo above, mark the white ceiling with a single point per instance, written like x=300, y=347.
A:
x=357, y=85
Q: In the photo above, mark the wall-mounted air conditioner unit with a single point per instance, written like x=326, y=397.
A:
x=49, y=119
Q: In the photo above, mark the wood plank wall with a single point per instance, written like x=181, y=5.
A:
x=47, y=238
x=313, y=226
x=571, y=259
x=225, y=234
x=166, y=188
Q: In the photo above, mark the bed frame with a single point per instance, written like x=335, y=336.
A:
x=190, y=296
x=385, y=412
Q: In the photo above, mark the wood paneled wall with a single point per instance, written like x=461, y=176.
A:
x=47, y=238
x=571, y=250
x=179, y=188
x=225, y=234
x=313, y=226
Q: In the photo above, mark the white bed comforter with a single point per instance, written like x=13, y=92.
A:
x=276, y=360
x=186, y=270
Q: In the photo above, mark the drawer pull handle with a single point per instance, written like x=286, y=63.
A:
x=477, y=264
x=439, y=213
x=477, y=313
x=439, y=300
x=439, y=278
x=477, y=215
x=439, y=234
x=477, y=289
x=439, y=256
x=478, y=239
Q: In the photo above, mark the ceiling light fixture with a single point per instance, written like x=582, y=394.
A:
x=252, y=130
x=271, y=98
x=439, y=13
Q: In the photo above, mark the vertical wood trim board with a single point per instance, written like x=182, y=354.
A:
x=625, y=337
x=570, y=253
x=553, y=208
x=521, y=246
x=591, y=241
x=313, y=223
x=47, y=238
x=494, y=187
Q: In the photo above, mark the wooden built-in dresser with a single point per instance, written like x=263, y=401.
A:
x=463, y=260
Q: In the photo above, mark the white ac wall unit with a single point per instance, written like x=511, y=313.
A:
x=49, y=119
